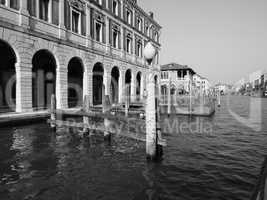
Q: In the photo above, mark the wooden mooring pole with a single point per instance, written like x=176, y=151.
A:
x=127, y=100
x=169, y=99
x=86, y=108
x=53, y=111
x=106, y=105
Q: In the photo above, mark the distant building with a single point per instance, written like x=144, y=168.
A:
x=222, y=88
x=256, y=79
x=201, y=83
x=176, y=78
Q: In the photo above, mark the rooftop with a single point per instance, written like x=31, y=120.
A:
x=176, y=67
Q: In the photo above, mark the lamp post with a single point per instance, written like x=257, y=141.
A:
x=151, y=124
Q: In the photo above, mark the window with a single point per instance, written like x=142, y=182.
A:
x=115, y=38
x=146, y=30
x=115, y=7
x=98, y=31
x=139, y=48
x=76, y=21
x=156, y=36
x=3, y=2
x=164, y=75
x=129, y=44
x=44, y=9
x=14, y=4
x=139, y=24
x=129, y=16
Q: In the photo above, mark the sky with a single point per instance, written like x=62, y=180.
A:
x=223, y=40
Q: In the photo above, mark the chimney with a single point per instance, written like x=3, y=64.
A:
x=151, y=14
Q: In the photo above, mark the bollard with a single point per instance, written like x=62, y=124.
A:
x=86, y=109
x=106, y=108
x=53, y=112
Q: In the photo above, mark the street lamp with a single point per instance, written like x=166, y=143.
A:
x=151, y=123
x=149, y=52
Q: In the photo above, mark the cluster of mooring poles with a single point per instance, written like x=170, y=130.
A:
x=154, y=142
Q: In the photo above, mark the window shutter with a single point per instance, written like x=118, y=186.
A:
x=31, y=7
x=55, y=12
x=92, y=23
x=83, y=23
x=67, y=14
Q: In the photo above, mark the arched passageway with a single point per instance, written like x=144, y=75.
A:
x=114, y=85
x=98, y=72
x=128, y=80
x=44, y=79
x=75, y=82
x=7, y=78
x=138, y=86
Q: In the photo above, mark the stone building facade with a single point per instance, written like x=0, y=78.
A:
x=72, y=48
x=176, y=79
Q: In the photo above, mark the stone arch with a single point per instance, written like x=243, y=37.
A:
x=128, y=81
x=75, y=82
x=98, y=90
x=114, y=85
x=138, y=85
x=44, y=68
x=8, y=86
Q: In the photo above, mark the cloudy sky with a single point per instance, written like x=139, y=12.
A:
x=224, y=40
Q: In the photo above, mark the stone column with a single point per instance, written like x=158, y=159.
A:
x=23, y=87
x=8, y=3
x=121, y=86
x=122, y=41
x=62, y=87
x=86, y=82
x=50, y=12
x=37, y=9
x=90, y=85
x=24, y=21
x=133, y=87
x=106, y=81
x=134, y=47
x=88, y=26
x=61, y=33
x=107, y=34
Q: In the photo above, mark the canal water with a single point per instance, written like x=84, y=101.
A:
x=206, y=158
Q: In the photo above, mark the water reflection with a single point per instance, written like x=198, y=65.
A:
x=36, y=163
